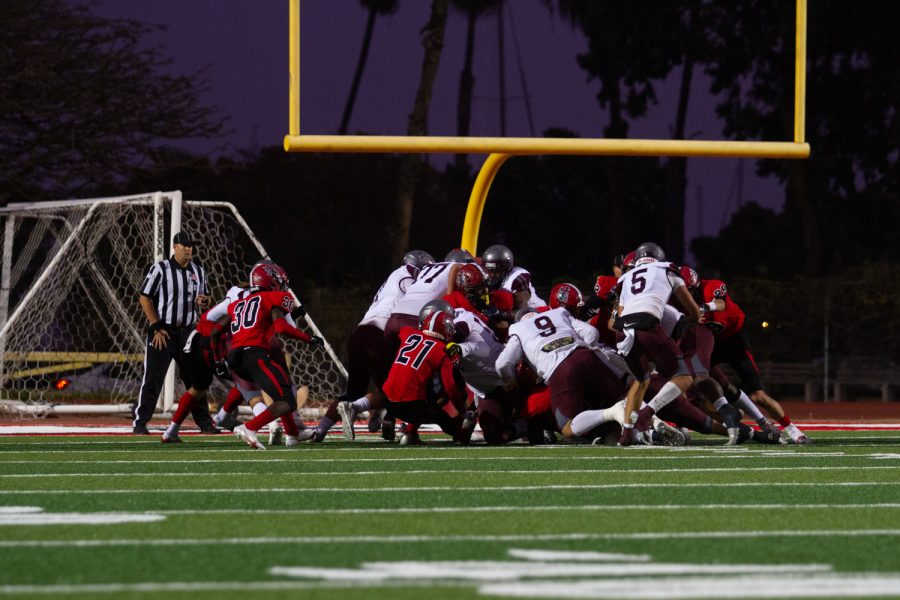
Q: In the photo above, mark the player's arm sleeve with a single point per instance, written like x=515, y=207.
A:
x=675, y=279
x=284, y=328
x=586, y=331
x=219, y=310
x=509, y=358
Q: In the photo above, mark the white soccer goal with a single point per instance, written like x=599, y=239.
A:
x=71, y=328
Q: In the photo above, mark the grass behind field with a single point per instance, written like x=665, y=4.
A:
x=226, y=516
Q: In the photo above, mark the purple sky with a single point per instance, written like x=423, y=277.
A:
x=245, y=45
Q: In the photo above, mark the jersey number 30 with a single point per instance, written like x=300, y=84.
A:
x=245, y=314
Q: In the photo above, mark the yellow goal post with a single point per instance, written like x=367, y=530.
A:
x=501, y=148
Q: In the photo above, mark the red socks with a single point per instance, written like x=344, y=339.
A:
x=260, y=421
x=233, y=400
x=184, y=408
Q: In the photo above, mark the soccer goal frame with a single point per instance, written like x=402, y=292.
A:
x=65, y=261
x=501, y=148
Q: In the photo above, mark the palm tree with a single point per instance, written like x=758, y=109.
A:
x=474, y=10
x=375, y=8
x=411, y=165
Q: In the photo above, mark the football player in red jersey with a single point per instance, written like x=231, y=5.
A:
x=726, y=320
x=252, y=322
x=423, y=385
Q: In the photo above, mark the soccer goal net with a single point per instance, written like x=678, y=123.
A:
x=71, y=329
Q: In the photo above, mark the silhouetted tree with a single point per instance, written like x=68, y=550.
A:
x=375, y=8
x=83, y=100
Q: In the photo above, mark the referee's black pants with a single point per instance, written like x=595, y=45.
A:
x=156, y=364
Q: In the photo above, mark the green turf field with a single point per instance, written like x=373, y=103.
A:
x=212, y=519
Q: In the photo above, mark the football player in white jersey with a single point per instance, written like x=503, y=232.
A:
x=558, y=348
x=433, y=281
x=498, y=261
x=643, y=293
x=367, y=357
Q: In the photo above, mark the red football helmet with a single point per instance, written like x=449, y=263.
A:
x=267, y=275
x=690, y=276
x=440, y=326
x=471, y=280
x=439, y=305
x=605, y=284
x=628, y=262
x=566, y=295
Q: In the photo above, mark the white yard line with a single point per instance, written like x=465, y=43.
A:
x=406, y=539
x=448, y=488
x=455, y=471
x=523, y=508
x=210, y=586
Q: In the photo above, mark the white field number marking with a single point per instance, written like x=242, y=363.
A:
x=568, y=574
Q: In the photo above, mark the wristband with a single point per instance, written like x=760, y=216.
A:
x=711, y=306
x=154, y=327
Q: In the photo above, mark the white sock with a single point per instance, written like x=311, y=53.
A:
x=259, y=408
x=747, y=405
x=669, y=392
x=173, y=428
x=720, y=403
x=324, y=424
x=362, y=405
x=587, y=420
x=221, y=415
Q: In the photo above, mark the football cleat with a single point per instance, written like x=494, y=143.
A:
x=291, y=440
x=249, y=437
x=767, y=434
x=375, y=420
x=348, y=419
x=671, y=436
x=388, y=429
x=171, y=438
x=797, y=436
x=411, y=439
x=229, y=421
x=731, y=416
x=312, y=435
x=276, y=434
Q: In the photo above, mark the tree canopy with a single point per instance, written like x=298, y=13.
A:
x=83, y=99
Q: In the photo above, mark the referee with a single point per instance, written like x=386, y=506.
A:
x=170, y=297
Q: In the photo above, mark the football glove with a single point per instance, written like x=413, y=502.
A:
x=298, y=312
x=220, y=368
x=453, y=350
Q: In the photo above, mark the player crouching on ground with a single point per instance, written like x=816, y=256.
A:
x=252, y=321
x=424, y=385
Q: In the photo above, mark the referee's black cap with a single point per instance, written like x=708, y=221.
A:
x=183, y=238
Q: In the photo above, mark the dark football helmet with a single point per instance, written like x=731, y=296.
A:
x=566, y=295
x=648, y=252
x=497, y=260
x=432, y=307
x=690, y=276
x=459, y=255
x=267, y=275
x=471, y=281
x=417, y=259
x=440, y=326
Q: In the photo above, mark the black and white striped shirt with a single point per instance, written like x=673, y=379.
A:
x=174, y=291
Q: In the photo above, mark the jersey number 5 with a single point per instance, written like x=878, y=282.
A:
x=638, y=283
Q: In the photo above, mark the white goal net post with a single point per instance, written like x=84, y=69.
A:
x=72, y=332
